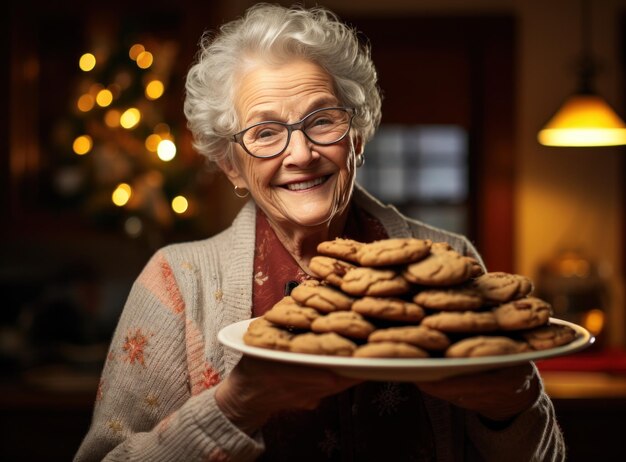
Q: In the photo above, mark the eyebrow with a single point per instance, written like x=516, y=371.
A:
x=270, y=116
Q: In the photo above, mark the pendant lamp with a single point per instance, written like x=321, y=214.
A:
x=584, y=118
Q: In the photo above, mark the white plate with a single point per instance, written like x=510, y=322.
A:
x=400, y=369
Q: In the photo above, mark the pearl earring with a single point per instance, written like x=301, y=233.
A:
x=360, y=160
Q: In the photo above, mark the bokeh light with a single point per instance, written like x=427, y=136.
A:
x=82, y=144
x=104, y=98
x=135, y=51
x=87, y=62
x=593, y=321
x=154, y=89
x=144, y=59
x=166, y=150
x=85, y=102
x=121, y=194
x=112, y=118
x=152, y=142
x=133, y=226
x=130, y=118
x=180, y=204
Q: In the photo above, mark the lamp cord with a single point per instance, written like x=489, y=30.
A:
x=585, y=25
x=587, y=68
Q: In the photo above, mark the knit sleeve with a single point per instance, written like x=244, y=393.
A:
x=148, y=407
x=534, y=435
x=458, y=241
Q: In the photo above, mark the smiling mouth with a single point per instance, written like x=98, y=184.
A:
x=306, y=184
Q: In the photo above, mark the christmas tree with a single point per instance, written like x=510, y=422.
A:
x=124, y=167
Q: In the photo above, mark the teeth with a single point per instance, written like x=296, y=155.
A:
x=305, y=184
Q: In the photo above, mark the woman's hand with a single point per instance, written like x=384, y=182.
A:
x=256, y=389
x=498, y=394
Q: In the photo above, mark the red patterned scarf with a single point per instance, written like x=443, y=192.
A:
x=274, y=267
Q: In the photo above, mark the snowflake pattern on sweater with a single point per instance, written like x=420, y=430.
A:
x=135, y=346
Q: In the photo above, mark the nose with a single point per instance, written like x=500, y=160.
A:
x=300, y=150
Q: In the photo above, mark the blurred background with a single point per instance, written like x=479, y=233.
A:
x=97, y=172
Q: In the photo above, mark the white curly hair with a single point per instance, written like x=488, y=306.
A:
x=272, y=33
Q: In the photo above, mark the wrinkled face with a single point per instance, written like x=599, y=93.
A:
x=307, y=185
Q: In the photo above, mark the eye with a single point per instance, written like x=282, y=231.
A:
x=322, y=121
x=265, y=133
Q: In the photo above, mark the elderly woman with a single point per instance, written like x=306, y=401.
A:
x=283, y=101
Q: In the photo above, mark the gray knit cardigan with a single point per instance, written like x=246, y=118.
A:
x=155, y=401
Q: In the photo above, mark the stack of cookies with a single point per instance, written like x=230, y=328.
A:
x=406, y=298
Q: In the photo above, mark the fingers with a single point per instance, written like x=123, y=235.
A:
x=514, y=376
x=496, y=394
x=256, y=389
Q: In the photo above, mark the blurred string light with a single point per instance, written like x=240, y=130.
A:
x=82, y=145
x=112, y=118
x=134, y=51
x=154, y=89
x=87, y=62
x=166, y=150
x=152, y=142
x=180, y=204
x=104, y=97
x=121, y=135
x=144, y=60
x=85, y=102
x=130, y=118
x=121, y=194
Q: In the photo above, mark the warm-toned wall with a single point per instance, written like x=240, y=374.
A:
x=569, y=197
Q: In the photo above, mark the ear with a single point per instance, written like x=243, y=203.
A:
x=232, y=172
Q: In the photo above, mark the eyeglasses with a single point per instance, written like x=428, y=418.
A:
x=323, y=127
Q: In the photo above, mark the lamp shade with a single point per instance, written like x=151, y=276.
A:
x=584, y=120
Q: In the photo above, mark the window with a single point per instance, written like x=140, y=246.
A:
x=422, y=170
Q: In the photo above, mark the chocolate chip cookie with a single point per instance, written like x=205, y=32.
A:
x=473, y=347
x=462, y=321
x=442, y=268
x=322, y=344
x=345, y=323
x=390, y=350
x=524, y=313
x=323, y=298
x=420, y=336
x=389, y=308
x=393, y=251
x=374, y=282
x=289, y=313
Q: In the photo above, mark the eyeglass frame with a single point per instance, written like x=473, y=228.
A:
x=238, y=137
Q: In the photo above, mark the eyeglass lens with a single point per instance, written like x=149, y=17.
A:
x=326, y=126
